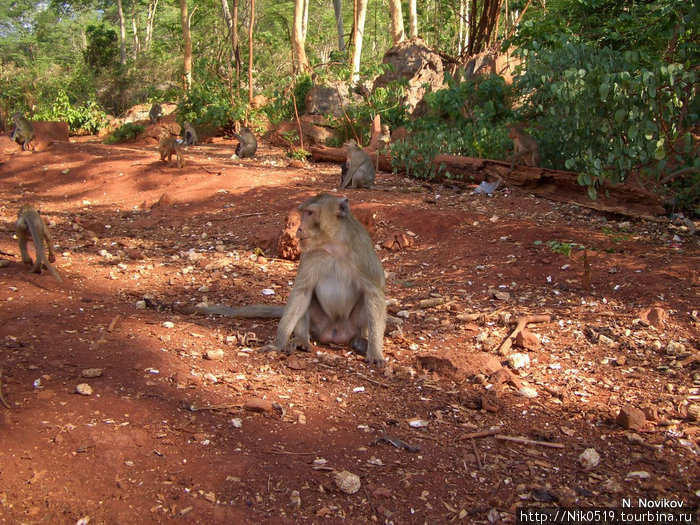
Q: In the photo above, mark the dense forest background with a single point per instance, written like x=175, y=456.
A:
x=608, y=88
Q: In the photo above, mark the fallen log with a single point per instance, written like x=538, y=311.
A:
x=629, y=199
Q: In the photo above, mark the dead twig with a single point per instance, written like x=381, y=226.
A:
x=522, y=323
x=373, y=381
x=480, y=434
x=526, y=441
x=114, y=322
x=476, y=454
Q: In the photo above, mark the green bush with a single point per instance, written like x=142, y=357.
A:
x=86, y=118
x=603, y=114
x=125, y=133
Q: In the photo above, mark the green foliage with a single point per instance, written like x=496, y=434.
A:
x=603, y=114
x=126, y=132
x=281, y=105
x=102, y=48
x=85, y=118
x=209, y=108
x=468, y=118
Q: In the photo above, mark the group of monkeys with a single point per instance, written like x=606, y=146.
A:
x=338, y=295
x=169, y=145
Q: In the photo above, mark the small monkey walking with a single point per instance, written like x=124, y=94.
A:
x=338, y=294
x=525, y=149
x=168, y=147
x=30, y=223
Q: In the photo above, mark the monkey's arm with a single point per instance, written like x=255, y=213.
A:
x=348, y=176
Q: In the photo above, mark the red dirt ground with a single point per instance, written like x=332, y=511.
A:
x=166, y=435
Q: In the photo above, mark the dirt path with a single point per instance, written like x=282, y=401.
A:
x=167, y=435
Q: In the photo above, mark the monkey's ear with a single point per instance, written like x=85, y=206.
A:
x=343, y=208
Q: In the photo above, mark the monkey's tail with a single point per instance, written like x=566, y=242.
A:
x=263, y=311
x=39, y=245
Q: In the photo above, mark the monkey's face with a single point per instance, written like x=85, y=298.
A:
x=309, y=225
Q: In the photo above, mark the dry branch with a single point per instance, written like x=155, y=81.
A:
x=522, y=323
x=525, y=441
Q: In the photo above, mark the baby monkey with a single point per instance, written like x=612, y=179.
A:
x=30, y=224
x=168, y=147
x=24, y=131
x=155, y=113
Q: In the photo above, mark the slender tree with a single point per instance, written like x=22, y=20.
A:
x=185, y=19
x=150, y=21
x=359, y=29
x=122, y=34
x=301, y=62
x=413, y=18
x=250, y=51
x=135, y=29
x=397, y=32
x=337, y=7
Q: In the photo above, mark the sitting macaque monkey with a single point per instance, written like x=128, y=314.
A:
x=168, y=147
x=190, y=135
x=338, y=294
x=30, y=224
x=358, y=171
x=24, y=131
x=525, y=149
x=247, y=145
x=155, y=113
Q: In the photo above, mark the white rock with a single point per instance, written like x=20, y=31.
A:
x=589, y=458
x=84, y=389
x=518, y=360
x=347, y=482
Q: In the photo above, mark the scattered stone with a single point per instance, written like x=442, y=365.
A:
x=397, y=241
x=589, y=458
x=528, y=392
x=295, y=499
x=518, y=361
x=432, y=302
x=210, y=377
x=4, y=263
x=236, y=422
x=83, y=389
x=294, y=363
x=527, y=340
x=258, y=405
x=655, y=317
x=168, y=324
x=631, y=418
x=135, y=254
x=693, y=413
x=347, y=482
x=92, y=372
x=651, y=412
x=604, y=339
x=453, y=365
x=640, y=474
x=214, y=354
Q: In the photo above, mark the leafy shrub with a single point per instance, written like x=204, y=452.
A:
x=126, y=132
x=603, y=114
x=86, y=118
x=209, y=108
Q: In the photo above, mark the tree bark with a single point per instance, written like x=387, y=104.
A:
x=236, y=45
x=185, y=19
x=337, y=7
x=135, y=29
x=122, y=34
x=413, y=18
x=301, y=62
x=361, y=15
x=150, y=21
x=397, y=33
x=250, y=51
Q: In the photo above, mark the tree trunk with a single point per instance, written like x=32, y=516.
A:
x=413, y=17
x=360, y=15
x=236, y=45
x=185, y=19
x=397, y=33
x=337, y=5
x=250, y=51
x=135, y=29
x=150, y=20
x=305, y=19
x=122, y=34
x=301, y=63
